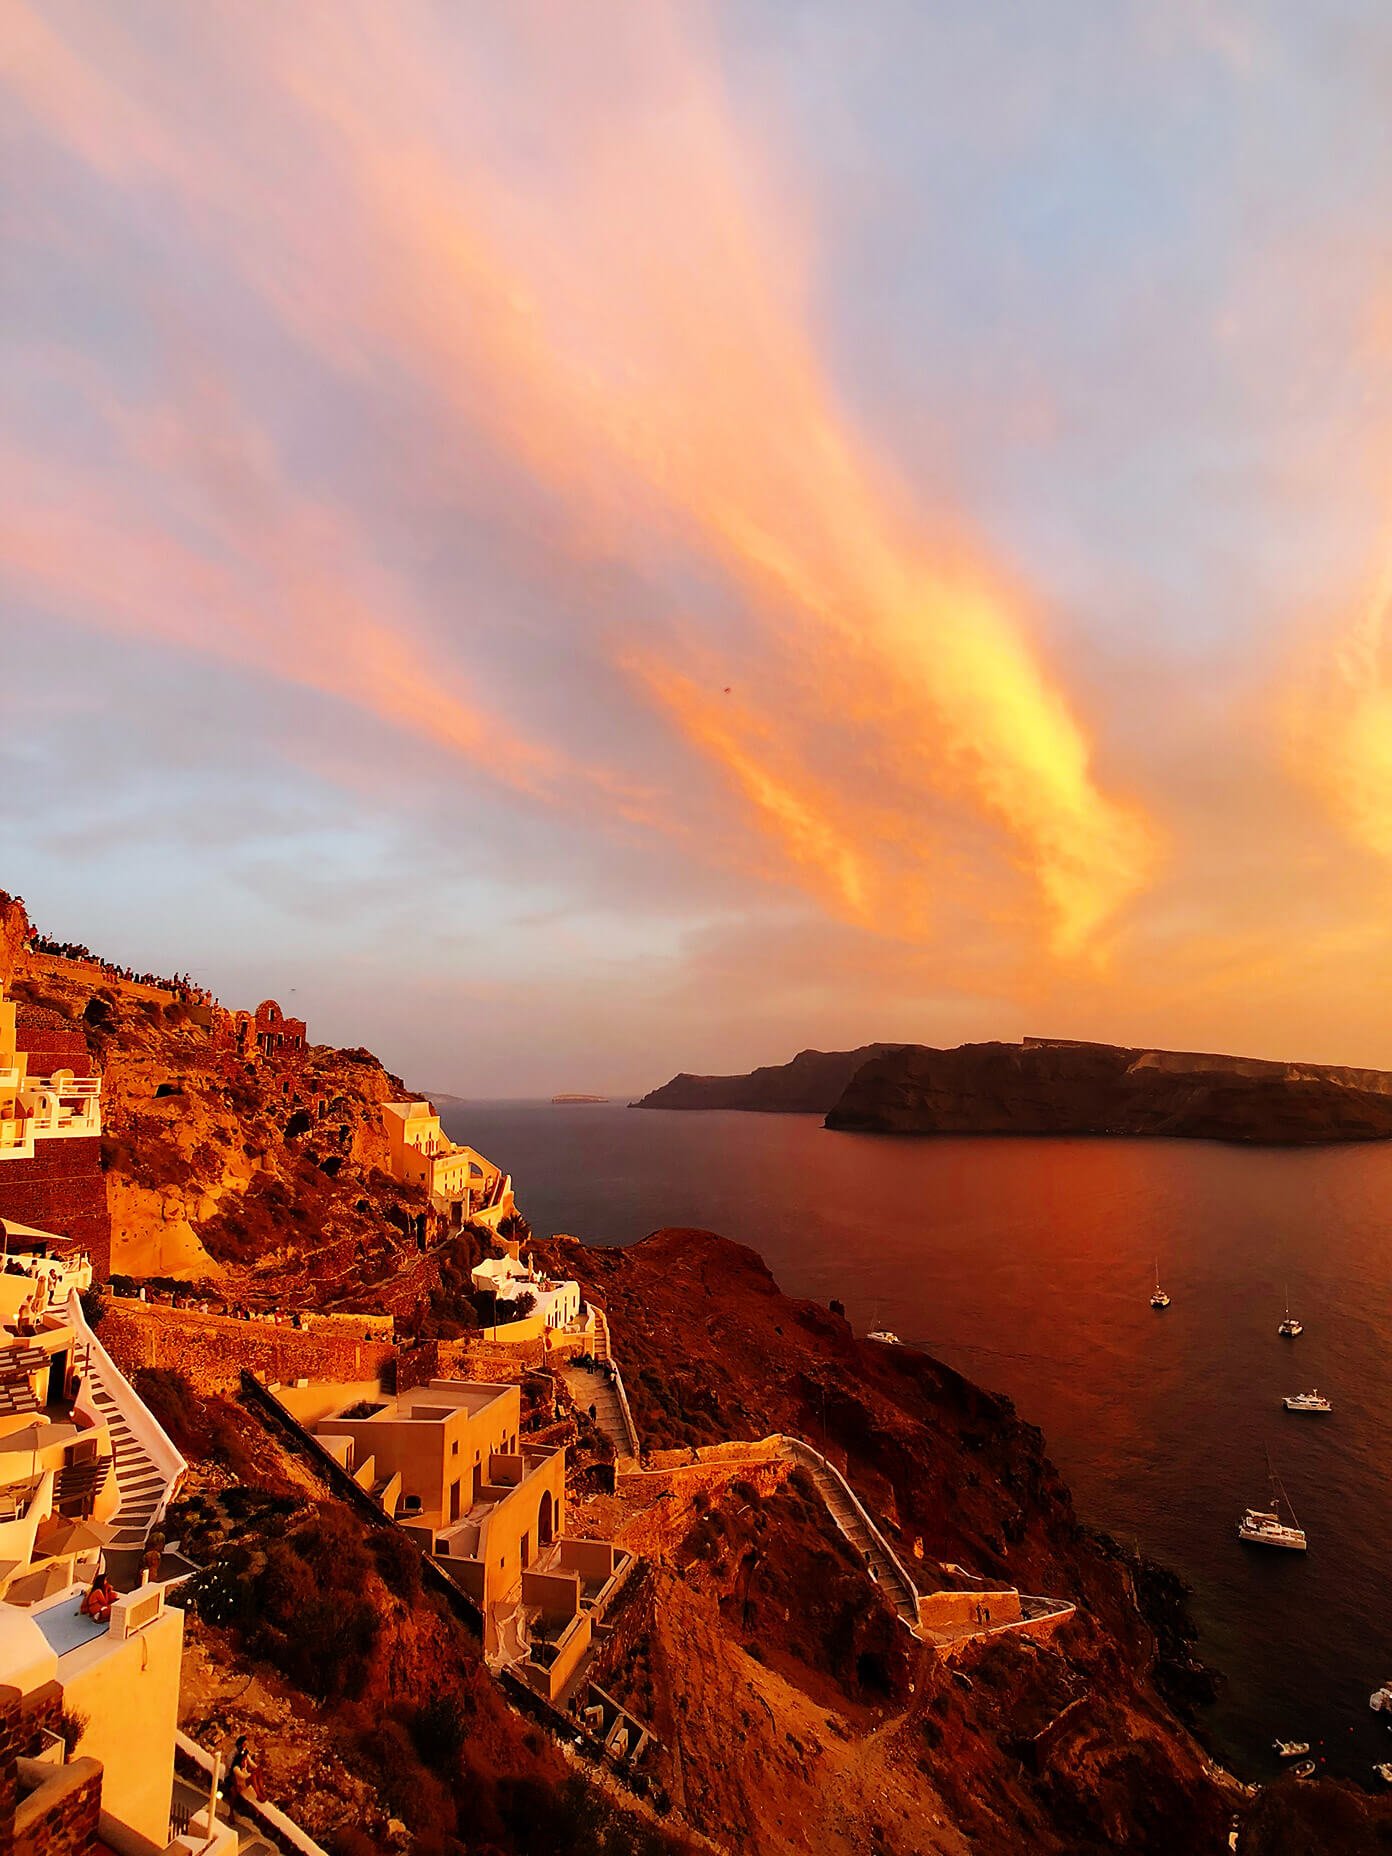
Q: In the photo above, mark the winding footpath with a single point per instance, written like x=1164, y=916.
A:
x=600, y=1390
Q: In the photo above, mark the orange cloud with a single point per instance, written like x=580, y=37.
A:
x=636, y=335
x=648, y=349
x=1343, y=725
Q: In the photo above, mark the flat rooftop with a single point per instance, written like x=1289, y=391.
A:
x=439, y=1400
x=64, y=1626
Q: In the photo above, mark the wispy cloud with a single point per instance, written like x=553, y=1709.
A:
x=503, y=391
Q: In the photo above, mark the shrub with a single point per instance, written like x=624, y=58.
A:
x=72, y=1724
x=439, y=1729
x=398, y=1562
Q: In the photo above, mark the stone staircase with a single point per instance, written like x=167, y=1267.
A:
x=588, y=1386
x=884, y=1566
x=602, y=1349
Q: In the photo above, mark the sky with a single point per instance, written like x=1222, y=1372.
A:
x=568, y=543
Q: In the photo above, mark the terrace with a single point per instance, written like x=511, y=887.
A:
x=123, y=1676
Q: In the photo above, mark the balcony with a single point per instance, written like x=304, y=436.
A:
x=17, y=1138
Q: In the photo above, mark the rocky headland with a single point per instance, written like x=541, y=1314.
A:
x=809, y=1084
x=1055, y=1086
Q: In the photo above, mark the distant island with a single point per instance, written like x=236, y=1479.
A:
x=563, y=1099
x=1058, y=1086
x=810, y=1084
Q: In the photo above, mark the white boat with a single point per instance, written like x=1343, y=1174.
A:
x=1290, y=1749
x=1384, y=1772
x=1159, y=1299
x=1381, y=1699
x=1289, y=1326
x=1306, y=1401
x=1263, y=1527
x=886, y=1335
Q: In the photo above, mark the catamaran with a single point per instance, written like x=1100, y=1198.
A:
x=1263, y=1527
x=1290, y=1327
x=1306, y=1401
x=1159, y=1299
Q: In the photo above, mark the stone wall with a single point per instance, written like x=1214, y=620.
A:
x=63, y=1190
x=51, y=1043
x=60, y=1816
x=39, y=967
x=22, y=1720
x=212, y=1350
x=670, y=1512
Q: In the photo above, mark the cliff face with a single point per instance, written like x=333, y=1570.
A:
x=810, y=1084
x=1055, y=1087
x=806, y=1715
x=268, y=1176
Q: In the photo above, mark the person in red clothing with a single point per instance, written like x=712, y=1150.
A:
x=98, y=1602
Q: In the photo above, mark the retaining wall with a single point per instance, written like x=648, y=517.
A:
x=212, y=1350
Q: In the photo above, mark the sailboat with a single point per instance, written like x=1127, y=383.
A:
x=1263, y=1527
x=1290, y=1327
x=1159, y=1299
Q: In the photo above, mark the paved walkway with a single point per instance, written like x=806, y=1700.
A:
x=591, y=1388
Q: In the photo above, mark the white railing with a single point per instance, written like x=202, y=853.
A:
x=804, y=1452
x=267, y=1816
x=61, y=1084
x=141, y=1423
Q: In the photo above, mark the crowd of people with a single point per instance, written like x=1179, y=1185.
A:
x=182, y=985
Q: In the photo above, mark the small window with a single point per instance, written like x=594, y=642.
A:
x=454, y=1447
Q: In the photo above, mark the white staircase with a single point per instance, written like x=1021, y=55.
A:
x=149, y=1469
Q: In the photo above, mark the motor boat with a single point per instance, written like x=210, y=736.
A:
x=1381, y=1699
x=1306, y=1401
x=1290, y=1749
x=1159, y=1299
x=1289, y=1326
x=1305, y=1770
x=1263, y=1527
x=1384, y=1772
x=887, y=1336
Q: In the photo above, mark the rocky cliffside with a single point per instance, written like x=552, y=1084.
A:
x=218, y=1163
x=1047, y=1086
x=809, y=1084
x=806, y=1714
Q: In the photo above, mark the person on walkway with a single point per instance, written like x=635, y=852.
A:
x=242, y=1774
x=153, y=1556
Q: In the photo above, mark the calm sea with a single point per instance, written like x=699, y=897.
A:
x=1028, y=1265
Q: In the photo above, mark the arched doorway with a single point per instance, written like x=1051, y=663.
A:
x=544, y=1521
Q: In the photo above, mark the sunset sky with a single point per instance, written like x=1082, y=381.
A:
x=574, y=541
